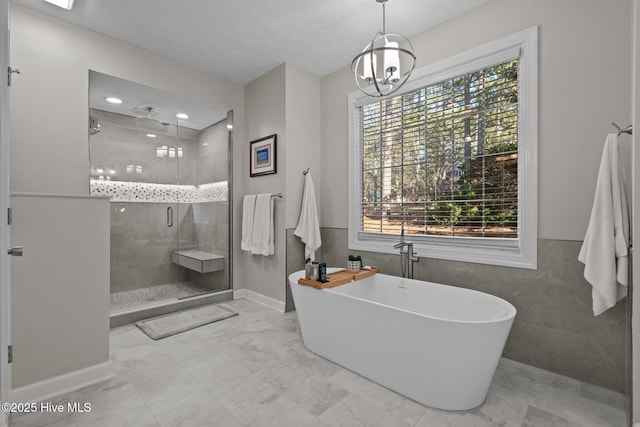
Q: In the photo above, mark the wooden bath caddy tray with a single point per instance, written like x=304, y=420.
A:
x=338, y=278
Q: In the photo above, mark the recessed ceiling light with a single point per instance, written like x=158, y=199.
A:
x=151, y=135
x=114, y=100
x=182, y=116
x=65, y=4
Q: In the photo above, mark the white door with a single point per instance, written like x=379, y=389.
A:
x=5, y=289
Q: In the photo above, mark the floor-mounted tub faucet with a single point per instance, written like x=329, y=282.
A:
x=408, y=257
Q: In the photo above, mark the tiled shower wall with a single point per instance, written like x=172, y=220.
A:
x=123, y=142
x=212, y=161
x=141, y=244
x=141, y=240
x=554, y=329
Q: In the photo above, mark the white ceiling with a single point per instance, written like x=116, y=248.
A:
x=239, y=39
x=243, y=39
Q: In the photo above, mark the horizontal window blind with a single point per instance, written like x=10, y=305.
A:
x=443, y=159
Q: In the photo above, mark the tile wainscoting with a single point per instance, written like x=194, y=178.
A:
x=555, y=328
x=295, y=262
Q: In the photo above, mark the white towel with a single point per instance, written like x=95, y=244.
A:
x=308, y=228
x=262, y=236
x=605, y=252
x=248, y=209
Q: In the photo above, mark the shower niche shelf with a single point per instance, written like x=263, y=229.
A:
x=202, y=262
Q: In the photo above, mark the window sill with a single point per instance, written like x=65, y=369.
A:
x=501, y=253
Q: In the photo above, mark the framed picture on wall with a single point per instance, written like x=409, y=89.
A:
x=262, y=156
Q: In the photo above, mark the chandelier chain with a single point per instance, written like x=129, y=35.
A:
x=384, y=19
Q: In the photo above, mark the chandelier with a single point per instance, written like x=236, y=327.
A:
x=384, y=64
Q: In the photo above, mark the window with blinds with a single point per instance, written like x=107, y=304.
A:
x=443, y=159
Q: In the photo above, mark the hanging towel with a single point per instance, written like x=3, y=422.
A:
x=248, y=208
x=262, y=235
x=308, y=229
x=605, y=251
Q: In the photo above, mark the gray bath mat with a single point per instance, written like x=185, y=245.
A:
x=181, y=321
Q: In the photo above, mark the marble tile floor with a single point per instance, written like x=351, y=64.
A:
x=253, y=370
x=143, y=297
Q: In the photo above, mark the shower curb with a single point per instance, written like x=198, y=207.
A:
x=129, y=317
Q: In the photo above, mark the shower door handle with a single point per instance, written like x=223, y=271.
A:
x=169, y=216
x=16, y=251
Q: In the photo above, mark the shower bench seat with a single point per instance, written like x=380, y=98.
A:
x=202, y=262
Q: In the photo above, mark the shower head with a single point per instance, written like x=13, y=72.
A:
x=145, y=112
x=148, y=113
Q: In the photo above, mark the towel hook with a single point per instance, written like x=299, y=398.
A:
x=628, y=129
x=306, y=171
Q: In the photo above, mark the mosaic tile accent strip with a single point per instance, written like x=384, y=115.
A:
x=213, y=192
x=125, y=191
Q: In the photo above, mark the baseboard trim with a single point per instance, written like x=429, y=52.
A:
x=260, y=299
x=62, y=384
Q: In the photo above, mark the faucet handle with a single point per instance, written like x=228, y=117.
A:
x=413, y=256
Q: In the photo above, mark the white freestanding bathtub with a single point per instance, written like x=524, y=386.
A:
x=436, y=344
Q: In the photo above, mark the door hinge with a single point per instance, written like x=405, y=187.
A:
x=9, y=216
x=10, y=354
x=10, y=71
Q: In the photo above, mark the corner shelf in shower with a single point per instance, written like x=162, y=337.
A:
x=202, y=262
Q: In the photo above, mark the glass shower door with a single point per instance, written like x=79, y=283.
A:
x=203, y=233
x=129, y=165
x=160, y=234
x=184, y=258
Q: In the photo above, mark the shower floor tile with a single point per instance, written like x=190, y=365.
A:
x=253, y=370
x=144, y=297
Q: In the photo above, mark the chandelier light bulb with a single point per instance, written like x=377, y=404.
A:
x=392, y=62
x=370, y=62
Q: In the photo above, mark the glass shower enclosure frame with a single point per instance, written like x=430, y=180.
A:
x=169, y=180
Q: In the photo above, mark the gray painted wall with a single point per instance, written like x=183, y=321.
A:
x=572, y=125
x=285, y=101
x=265, y=108
x=60, y=287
